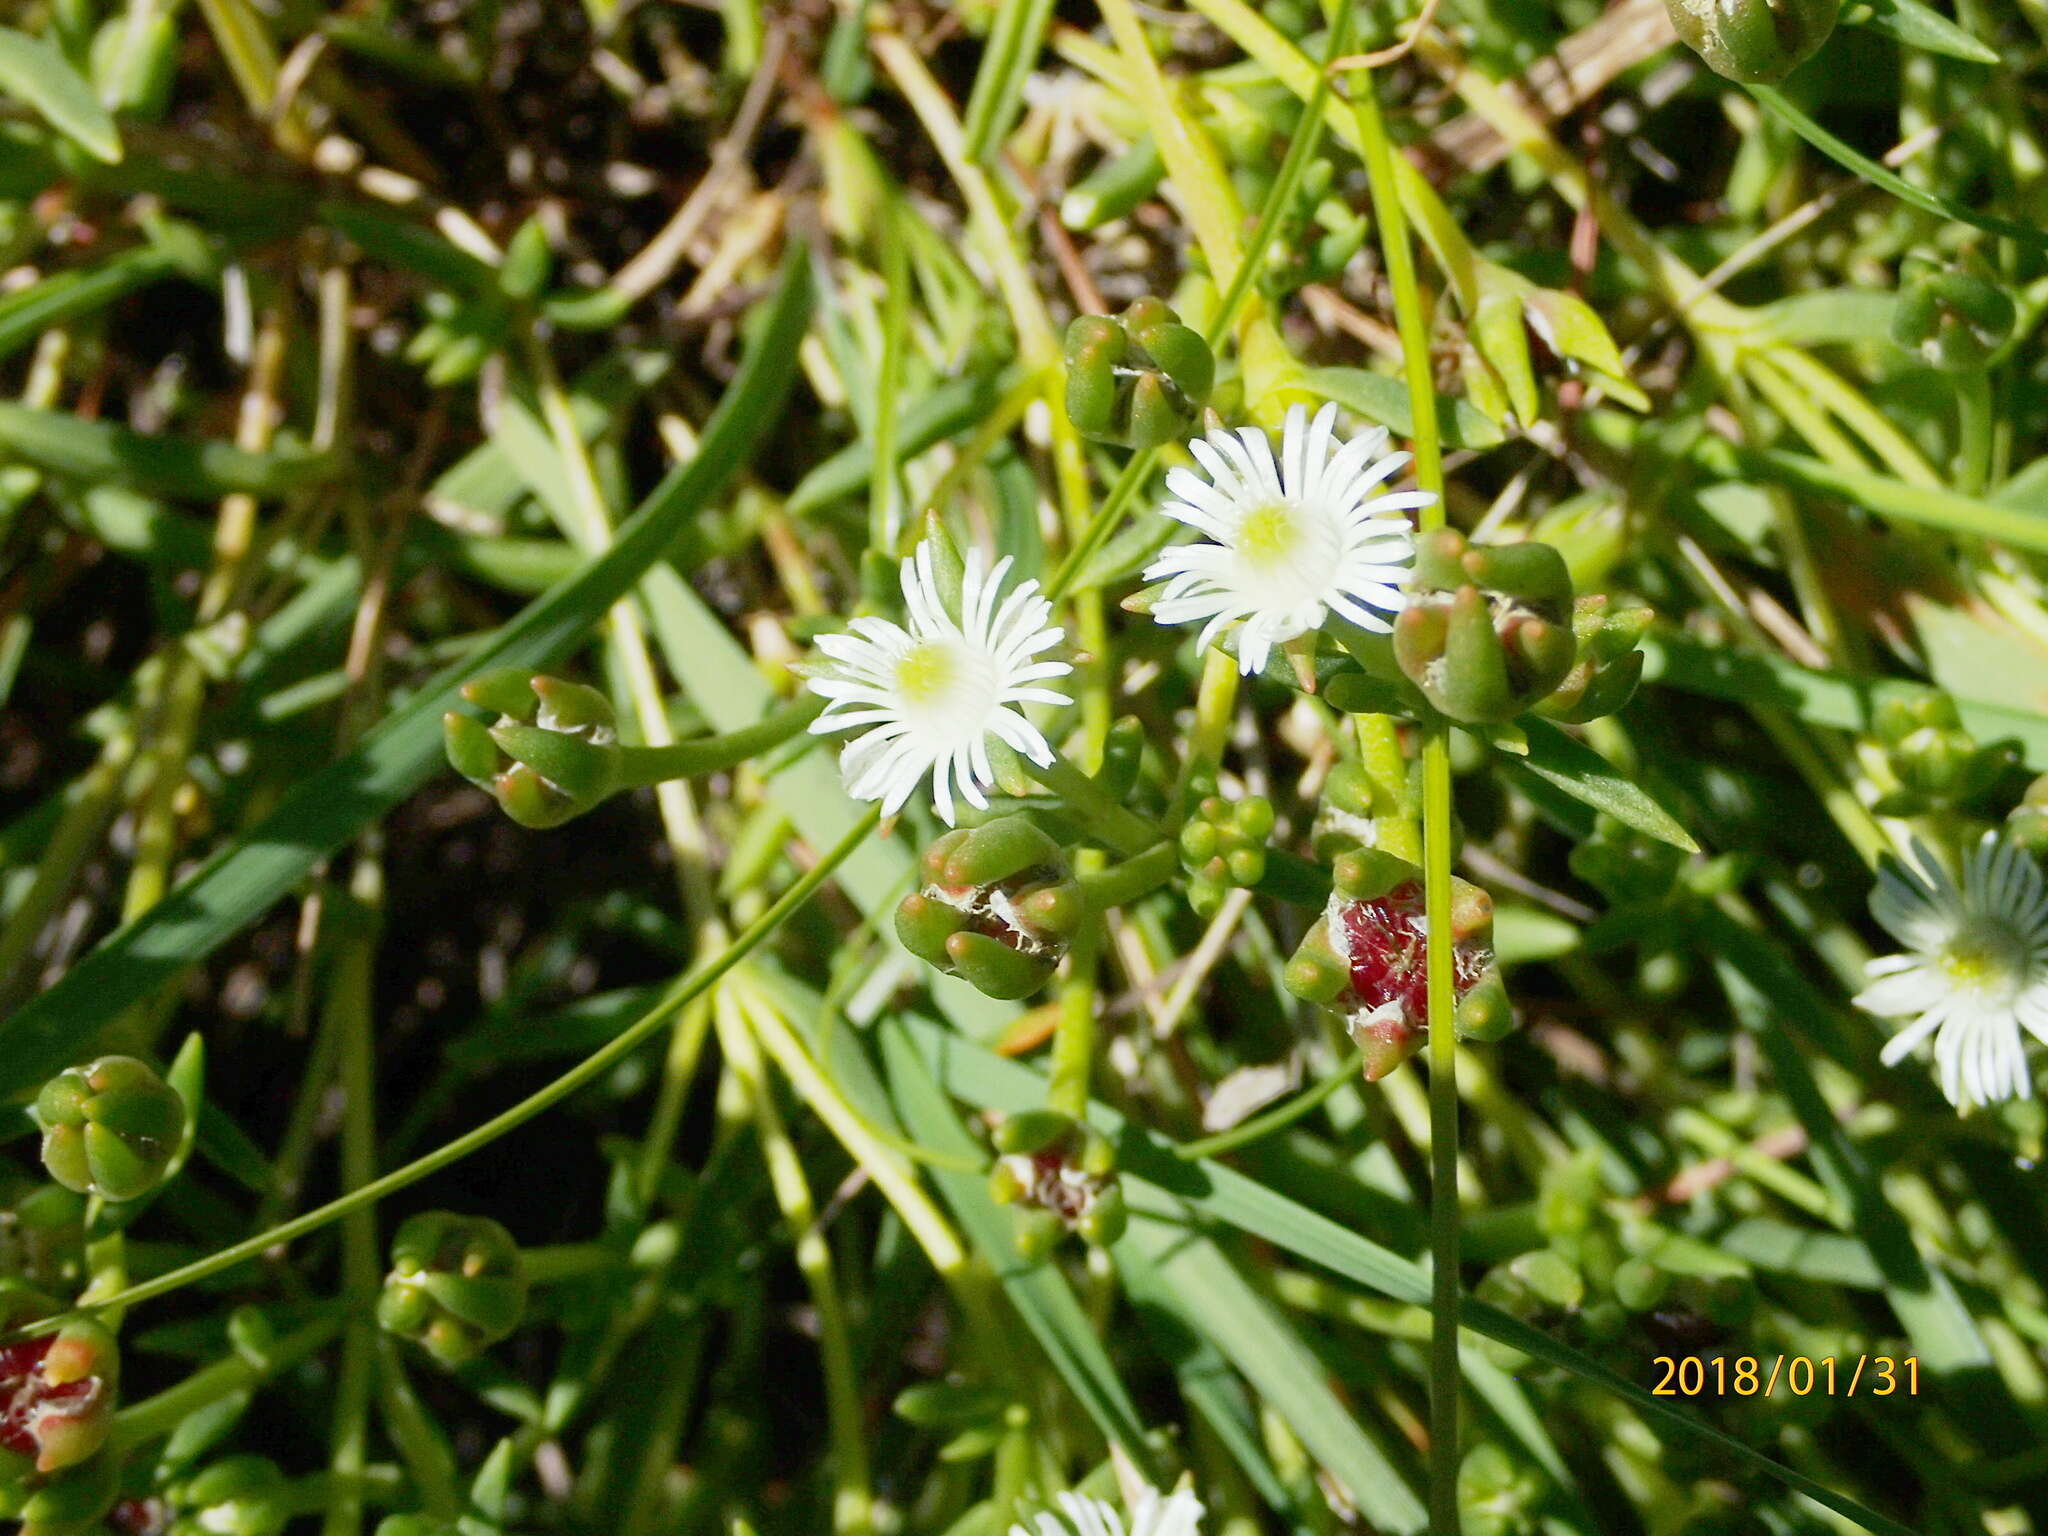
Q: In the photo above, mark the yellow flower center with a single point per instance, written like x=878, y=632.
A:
x=1270, y=535
x=1987, y=955
x=926, y=673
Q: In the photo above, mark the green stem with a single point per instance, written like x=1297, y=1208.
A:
x=159, y=1415
x=1073, y=1047
x=1277, y=1119
x=709, y=754
x=1095, y=808
x=1135, y=877
x=348, y=1441
x=1976, y=427
x=1378, y=153
x=593, y=1066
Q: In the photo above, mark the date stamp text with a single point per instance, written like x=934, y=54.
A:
x=1798, y=1375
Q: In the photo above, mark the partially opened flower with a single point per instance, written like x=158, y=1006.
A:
x=931, y=695
x=1975, y=970
x=1288, y=541
x=1152, y=1514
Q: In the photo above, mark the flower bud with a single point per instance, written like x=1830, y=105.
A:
x=457, y=1284
x=2027, y=823
x=1753, y=42
x=1487, y=632
x=997, y=907
x=1366, y=959
x=1624, y=865
x=73, y=1502
x=238, y=1496
x=1607, y=666
x=57, y=1389
x=109, y=1129
x=1938, y=764
x=1063, y=1173
x=1498, y=1495
x=42, y=1235
x=1139, y=379
x=1223, y=848
x=1951, y=318
x=553, y=754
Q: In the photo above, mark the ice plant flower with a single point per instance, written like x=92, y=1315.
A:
x=1152, y=1514
x=932, y=694
x=1289, y=541
x=1975, y=970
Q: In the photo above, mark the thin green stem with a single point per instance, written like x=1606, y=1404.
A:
x=1444, y=1373
x=1259, y=1127
x=1976, y=430
x=711, y=754
x=1134, y=877
x=1099, y=811
x=159, y=1415
x=1073, y=1047
x=593, y=1066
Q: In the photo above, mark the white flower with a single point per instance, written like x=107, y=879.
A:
x=935, y=692
x=1975, y=970
x=1292, y=540
x=1176, y=1514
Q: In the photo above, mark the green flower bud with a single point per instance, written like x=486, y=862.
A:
x=553, y=754
x=1640, y=1285
x=1607, y=666
x=238, y=1496
x=42, y=1235
x=1753, y=42
x=1223, y=848
x=1624, y=865
x=1938, y=764
x=57, y=1389
x=2027, y=823
x=73, y=1502
x=457, y=1284
x=1365, y=959
x=1486, y=634
x=1138, y=380
x=1951, y=318
x=997, y=908
x=1495, y=1495
x=1062, y=1173
x=109, y=1129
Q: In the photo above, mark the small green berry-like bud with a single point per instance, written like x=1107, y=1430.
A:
x=553, y=753
x=1487, y=633
x=56, y=1390
x=239, y=1496
x=109, y=1129
x=1223, y=846
x=1608, y=665
x=1754, y=42
x=73, y=1502
x=1938, y=764
x=1138, y=380
x=2027, y=823
x=457, y=1284
x=997, y=908
x=1951, y=318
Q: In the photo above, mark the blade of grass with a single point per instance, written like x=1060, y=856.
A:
x=1213, y=1300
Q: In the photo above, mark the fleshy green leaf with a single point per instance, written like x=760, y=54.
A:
x=34, y=73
